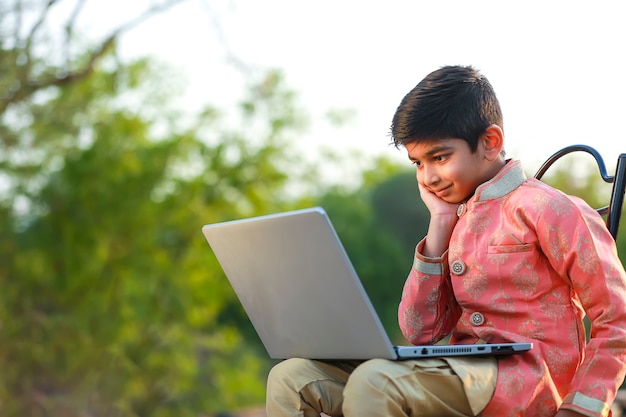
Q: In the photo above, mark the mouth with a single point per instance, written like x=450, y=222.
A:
x=442, y=192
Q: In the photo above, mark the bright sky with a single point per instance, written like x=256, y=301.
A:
x=557, y=66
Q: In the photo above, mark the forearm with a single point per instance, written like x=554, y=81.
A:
x=427, y=310
x=439, y=232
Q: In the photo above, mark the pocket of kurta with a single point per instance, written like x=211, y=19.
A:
x=509, y=248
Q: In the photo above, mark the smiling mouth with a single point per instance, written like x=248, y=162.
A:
x=441, y=192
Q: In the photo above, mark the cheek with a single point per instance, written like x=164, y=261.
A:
x=456, y=174
x=463, y=179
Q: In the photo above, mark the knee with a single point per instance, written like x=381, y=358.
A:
x=371, y=387
x=282, y=373
x=370, y=375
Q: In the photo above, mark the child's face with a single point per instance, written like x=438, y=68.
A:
x=448, y=168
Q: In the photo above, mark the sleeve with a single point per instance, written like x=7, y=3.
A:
x=428, y=310
x=582, y=250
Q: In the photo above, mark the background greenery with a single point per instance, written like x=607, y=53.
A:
x=112, y=303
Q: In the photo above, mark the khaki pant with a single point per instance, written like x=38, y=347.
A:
x=378, y=387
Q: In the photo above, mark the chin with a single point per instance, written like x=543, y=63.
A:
x=452, y=200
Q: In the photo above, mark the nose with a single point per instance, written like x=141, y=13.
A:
x=427, y=175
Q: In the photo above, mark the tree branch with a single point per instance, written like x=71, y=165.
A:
x=31, y=83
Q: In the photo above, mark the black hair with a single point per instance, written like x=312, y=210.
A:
x=451, y=102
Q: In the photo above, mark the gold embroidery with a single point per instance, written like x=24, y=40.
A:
x=510, y=380
x=475, y=282
x=553, y=305
x=525, y=278
x=558, y=361
x=532, y=328
x=413, y=322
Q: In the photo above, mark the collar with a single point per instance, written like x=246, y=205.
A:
x=506, y=180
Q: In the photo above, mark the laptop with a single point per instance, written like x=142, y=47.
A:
x=303, y=296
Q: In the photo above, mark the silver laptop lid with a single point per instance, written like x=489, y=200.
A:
x=287, y=268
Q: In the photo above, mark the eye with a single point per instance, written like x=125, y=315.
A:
x=416, y=163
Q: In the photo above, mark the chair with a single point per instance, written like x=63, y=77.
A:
x=613, y=211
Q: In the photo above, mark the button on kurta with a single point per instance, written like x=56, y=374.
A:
x=477, y=319
x=458, y=267
x=460, y=211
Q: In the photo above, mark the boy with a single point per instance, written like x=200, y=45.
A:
x=505, y=259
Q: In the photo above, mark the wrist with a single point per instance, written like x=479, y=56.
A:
x=439, y=232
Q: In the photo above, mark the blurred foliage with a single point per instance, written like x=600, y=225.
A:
x=111, y=302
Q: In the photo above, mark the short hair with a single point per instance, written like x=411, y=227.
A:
x=451, y=102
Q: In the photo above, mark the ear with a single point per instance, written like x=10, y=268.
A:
x=492, y=141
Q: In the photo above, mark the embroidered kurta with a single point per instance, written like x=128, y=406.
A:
x=525, y=263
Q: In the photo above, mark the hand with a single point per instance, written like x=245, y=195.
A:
x=443, y=218
x=436, y=206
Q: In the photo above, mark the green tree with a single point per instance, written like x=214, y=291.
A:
x=112, y=303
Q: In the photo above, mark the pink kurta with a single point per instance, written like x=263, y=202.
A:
x=524, y=264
